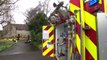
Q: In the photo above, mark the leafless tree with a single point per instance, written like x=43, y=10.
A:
x=41, y=7
x=6, y=6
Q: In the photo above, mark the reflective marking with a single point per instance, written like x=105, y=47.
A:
x=52, y=55
x=91, y=47
x=78, y=17
x=45, y=43
x=88, y=55
x=44, y=27
x=48, y=50
x=78, y=43
x=100, y=1
x=90, y=20
x=51, y=38
x=105, y=6
x=51, y=28
x=71, y=51
x=73, y=7
x=92, y=35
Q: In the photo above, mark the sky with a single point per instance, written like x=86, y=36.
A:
x=23, y=5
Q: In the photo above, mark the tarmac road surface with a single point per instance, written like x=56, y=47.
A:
x=22, y=51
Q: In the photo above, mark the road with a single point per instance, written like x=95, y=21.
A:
x=22, y=51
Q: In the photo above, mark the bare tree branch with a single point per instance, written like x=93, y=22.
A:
x=14, y=2
x=6, y=6
x=2, y=2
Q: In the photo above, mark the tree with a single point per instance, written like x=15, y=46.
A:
x=35, y=19
x=5, y=10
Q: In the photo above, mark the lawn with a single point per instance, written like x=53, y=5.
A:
x=5, y=45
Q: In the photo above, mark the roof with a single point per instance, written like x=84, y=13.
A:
x=21, y=26
x=18, y=26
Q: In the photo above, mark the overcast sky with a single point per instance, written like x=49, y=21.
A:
x=23, y=5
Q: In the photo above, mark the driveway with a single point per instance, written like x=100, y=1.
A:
x=22, y=51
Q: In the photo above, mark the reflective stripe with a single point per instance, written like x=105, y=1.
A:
x=47, y=27
x=71, y=51
x=49, y=53
x=90, y=20
x=51, y=38
x=78, y=43
x=91, y=47
x=48, y=50
x=78, y=36
x=78, y=17
x=92, y=35
x=100, y=1
x=44, y=27
x=44, y=48
x=45, y=43
x=88, y=55
x=51, y=28
x=52, y=55
x=73, y=7
x=105, y=6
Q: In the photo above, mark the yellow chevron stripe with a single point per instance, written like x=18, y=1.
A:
x=91, y=47
x=51, y=29
x=78, y=42
x=51, y=38
x=105, y=6
x=52, y=55
x=48, y=50
x=90, y=20
x=45, y=43
x=73, y=7
x=78, y=17
x=100, y=1
x=71, y=51
x=44, y=27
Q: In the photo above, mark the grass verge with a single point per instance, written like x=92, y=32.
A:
x=5, y=45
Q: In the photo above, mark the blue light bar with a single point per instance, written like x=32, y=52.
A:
x=92, y=2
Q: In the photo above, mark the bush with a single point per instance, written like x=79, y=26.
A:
x=38, y=40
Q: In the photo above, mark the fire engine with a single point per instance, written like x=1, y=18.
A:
x=78, y=35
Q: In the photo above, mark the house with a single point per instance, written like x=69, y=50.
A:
x=18, y=31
